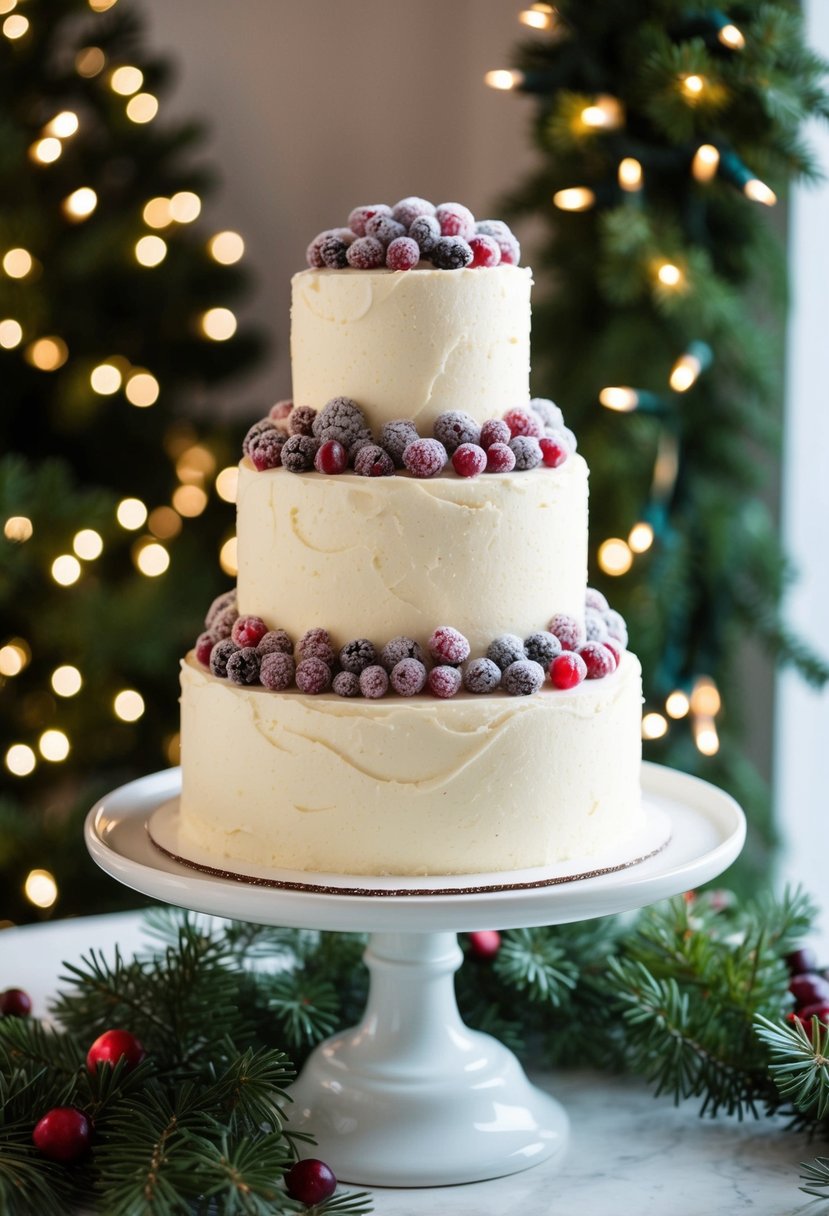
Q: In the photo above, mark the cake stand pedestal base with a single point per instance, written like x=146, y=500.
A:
x=412, y=1096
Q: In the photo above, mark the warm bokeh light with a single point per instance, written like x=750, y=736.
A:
x=218, y=324
x=705, y=699
x=654, y=726
x=226, y=247
x=128, y=705
x=574, y=198
x=227, y=557
x=185, y=206
x=504, y=79
x=759, y=192
x=226, y=483
x=537, y=17
x=106, y=379
x=669, y=274
x=20, y=760
x=6, y=6
x=614, y=556
x=194, y=464
x=131, y=513
x=14, y=656
x=126, y=80
x=641, y=537
x=172, y=748
x=705, y=163
x=46, y=151
x=189, y=501
x=142, y=389
x=730, y=36
x=142, y=108
x=47, y=354
x=66, y=680
x=706, y=737
x=17, y=263
x=63, y=125
x=88, y=544
x=605, y=114
x=685, y=373
x=80, y=203
x=692, y=85
x=150, y=250
x=151, y=559
x=630, y=174
x=11, y=333
x=101, y=6
x=18, y=527
x=156, y=213
x=15, y=26
x=66, y=570
x=53, y=745
x=677, y=704
x=164, y=523
x=620, y=398
x=90, y=61
x=40, y=888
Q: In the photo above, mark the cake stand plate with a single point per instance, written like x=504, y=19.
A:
x=412, y=1096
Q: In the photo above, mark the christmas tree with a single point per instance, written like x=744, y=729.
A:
x=663, y=133
x=114, y=322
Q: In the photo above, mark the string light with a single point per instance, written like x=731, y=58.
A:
x=90, y=61
x=189, y=501
x=194, y=464
x=692, y=86
x=105, y=379
x=142, y=389
x=705, y=698
x=142, y=108
x=605, y=114
x=80, y=204
x=101, y=6
x=677, y=704
x=128, y=705
x=620, y=398
x=185, y=206
x=66, y=680
x=15, y=26
x=574, y=198
x=614, y=556
x=40, y=888
x=126, y=80
x=6, y=6
x=218, y=324
x=47, y=354
x=14, y=657
x=654, y=726
x=666, y=465
x=759, y=192
x=17, y=263
x=504, y=79
x=227, y=557
x=131, y=513
x=63, y=125
x=226, y=247
x=18, y=528
x=46, y=151
x=151, y=558
x=88, y=544
x=730, y=36
x=11, y=333
x=669, y=274
x=156, y=213
x=640, y=538
x=66, y=570
x=164, y=523
x=227, y=482
x=53, y=745
x=20, y=760
x=150, y=250
x=630, y=174
x=705, y=163
x=706, y=737
x=538, y=16
x=688, y=367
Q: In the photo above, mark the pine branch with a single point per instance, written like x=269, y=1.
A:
x=533, y=962
x=800, y=1063
x=816, y=1173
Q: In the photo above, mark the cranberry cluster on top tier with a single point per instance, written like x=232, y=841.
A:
x=244, y=651
x=414, y=231
x=301, y=439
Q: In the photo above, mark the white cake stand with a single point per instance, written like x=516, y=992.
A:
x=411, y=1096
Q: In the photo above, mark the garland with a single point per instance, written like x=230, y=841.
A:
x=692, y=994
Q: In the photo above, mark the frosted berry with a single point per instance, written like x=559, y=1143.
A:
x=248, y=630
x=219, y=656
x=63, y=1134
x=310, y=1181
x=484, y=944
x=313, y=254
x=598, y=660
x=523, y=422
x=494, y=430
x=444, y=682
x=810, y=988
x=276, y=671
x=542, y=647
x=527, y=452
x=410, y=209
x=595, y=599
x=568, y=630
x=400, y=648
x=481, y=676
x=279, y=412
x=312, y=676
x=356, y=656
x=331, y=457
x=485, y=251
x=298, y=453
x=367, y=253
x=455, y=220
x=340, y=418
x=222, y=625
x=553, y=453
x=616, y=627
x=569, y=438
x=510, y=250
x=425, y=457
x=506, y=649
x=454, y=427
x=346, y=684
x=469, y=460
x=204, y=645
x=372, y=461
x=523, y=678
x=448, y=645
x=243, y=666
x=221, y=603
x=493, y=228
x=113, y=1046
x=360, y=216
x=425, y=230
x=258, y=428
x=594, y=626
x=396, y=436
x=402, y=254
x=500, y=458
x=568, y=670
x=266, y=450
x=275, y=641
x=408, y=677
x=333, y=253
x=315, y=642
x=363, y=439
x=549, y=413
x=374, y=682
x=15, y=1003
x=384, y=229
x=450, y=253
x=801, y=960
x=615, y=649
x=301, y=420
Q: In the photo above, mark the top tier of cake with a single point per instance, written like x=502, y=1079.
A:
x=412, y=345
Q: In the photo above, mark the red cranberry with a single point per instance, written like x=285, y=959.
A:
x=567, y=670
x=524, y=422
x=248, y=631
x=500, y=458
x=553, y=453
x=455, y=220
x=280, y=411
x=485, y=251
x=204, y=645
x=598, y=660
x=568, y=630
x=485, y=943
x=448, y=645
x=112, y=1046
x=494, y=430
x=402, y=254
x=444, y=681
x=802, y=960
x=63, y=1134
x=310, y=1181
x=810, y=988
x=331, y=457
x=15, y=1003
x=615, y=649
x=804, y=1016
x=469, y=460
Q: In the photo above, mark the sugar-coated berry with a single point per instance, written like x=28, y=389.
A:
x=279, y=412
x=310, y=1181
x=595, y=599
x=494, y=430
x=340, y=418
x=408, y=677
x=450, y=253
x=258, y=428
x=569, y=438
x=360, y=216
x=15, y=1003
x=334, y=253
x=500, y=458
x=63, y=1134
x=485, y=251
x=311, y=640
x=527, y=452
x=504, y=239
x=493, y=228
x=598, y=660
x=448, y=645
x=549, y=413
x=615, y=649
x=425, y=457
x=298, y=453
x=410, y=209
x=366, y=253
x=301, y=420
x=402, y=254
x=444, y=681
x=506, y=649
x=523, y=678
x=553, y=453
x=113, y=1046
x=374, y=682
x=243, y=666
x=595, y=628
x=810, y=988
x=372, y=461
x=469, y=460
x=454, y=427
x=221, y=603
x=542, y=647
x=248, y=630
x=363, y=439
x=400, y=648
x=484, y=944
x=510, y=251
x=313, y=254
x=222, y=624
x=616, y=627
x=455, y=220
x=568, y=630
x=312, y=676
x=523, y=422
x=275, y=641
x=481, y=676
x=396, y=436
x=219, y=656
x=356, y=656
x=425, y=230
x=384, y=229
x=567, y=670
x=277, y=670
x=266, y=450
x=331, y=457
x=800, y=960
x=204, y=645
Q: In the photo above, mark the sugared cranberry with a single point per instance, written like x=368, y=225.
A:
x=801, y=961
x=615, y=649
x=598, y=660
x=595, y=599
x=524, y=422
x=310, y=1181
x=425, y=230
x=568, y=630
x=809, y=988
x=312, y=676
x=444, y=681
x=469, y=460
x=204, y=644
x=484, y=944
x=248, y=631
x=409, y=209
x=499, y=458
x=280, y=411
x=494, y=430
x=402, y=254
x=553, y=453
x=448, y=645
x=360, y=216
x=384, y=229
x=408, y=677
x=367, y=253
x=15, y=1003
x=485, y=251
x=374, y=681
x=455, y=220
x=567, y=670
x=331, y=457
x=425, y=457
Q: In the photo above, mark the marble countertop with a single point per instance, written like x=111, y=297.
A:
x=629, y=1152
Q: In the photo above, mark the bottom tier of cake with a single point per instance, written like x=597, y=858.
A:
x=410, y=785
